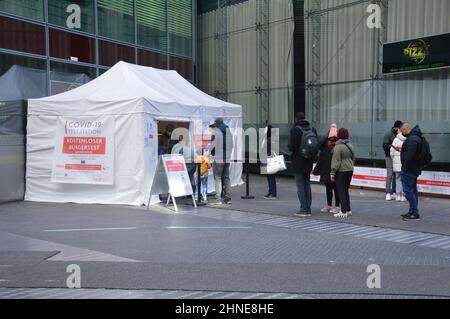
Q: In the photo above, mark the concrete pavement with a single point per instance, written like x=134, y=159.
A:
x=251, y=248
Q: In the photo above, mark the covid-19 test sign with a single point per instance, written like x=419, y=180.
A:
x=84, y=151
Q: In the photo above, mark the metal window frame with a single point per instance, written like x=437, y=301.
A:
x=97, y=38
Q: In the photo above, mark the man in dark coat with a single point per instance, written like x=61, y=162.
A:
x=222, y=147
x=301, y=166
x=411, y=169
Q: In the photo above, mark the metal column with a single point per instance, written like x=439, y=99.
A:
x=314, y=19
x=263, y=38
x=221, y=45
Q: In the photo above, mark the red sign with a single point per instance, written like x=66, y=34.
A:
x=175, y=166
x=202, y=141
x=84, y=145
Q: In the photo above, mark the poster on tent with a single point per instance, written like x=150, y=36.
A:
x=202, y=136
x=84, y=151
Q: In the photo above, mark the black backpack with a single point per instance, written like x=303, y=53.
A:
x=425, y=156
x=309, y=146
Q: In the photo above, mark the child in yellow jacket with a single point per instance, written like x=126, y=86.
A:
x=205, y=166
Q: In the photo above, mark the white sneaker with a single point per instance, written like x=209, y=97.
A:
x=335, y=210
x=399, y=198
x=393, y=196
x=388, y=197
x=350, y=214
x=341, y=215
x=404, y=198
x=326, y=209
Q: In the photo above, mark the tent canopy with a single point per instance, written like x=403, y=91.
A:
x=162, y=91
x=135, y=98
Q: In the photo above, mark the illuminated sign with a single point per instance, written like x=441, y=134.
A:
x=415, y=55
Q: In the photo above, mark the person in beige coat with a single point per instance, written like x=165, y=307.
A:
x=396, y=149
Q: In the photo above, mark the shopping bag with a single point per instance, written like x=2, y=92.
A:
x=274, y=165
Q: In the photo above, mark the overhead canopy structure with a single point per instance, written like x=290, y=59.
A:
x=134, y=98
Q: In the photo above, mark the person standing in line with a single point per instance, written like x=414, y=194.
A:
x=397, y=165
x=342, y=166
x=387, y=143
x=222, y=148
x=304, y=146
x=415, y=155
x=324, y=167
x=270, y=144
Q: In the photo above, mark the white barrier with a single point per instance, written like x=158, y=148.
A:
x=429, y=182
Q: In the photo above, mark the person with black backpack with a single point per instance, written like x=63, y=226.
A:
x=415, y=155
x=304, y=147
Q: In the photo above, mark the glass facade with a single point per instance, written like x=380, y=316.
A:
x=70, y=42
x=61, y=13
x=31, y=9
x=116, y=19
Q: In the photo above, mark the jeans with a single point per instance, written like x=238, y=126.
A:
x=222, y=180
x=390, y=178
x=398, y=183
x=331, y=187
x=191, y=172
x=204, y=188
x=343, y=182
x=409, y=181
x=303, y=182
x=272, y=180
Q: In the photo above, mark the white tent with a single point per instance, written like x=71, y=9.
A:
x=134, y=98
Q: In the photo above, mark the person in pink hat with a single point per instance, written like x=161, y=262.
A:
x=323, y=169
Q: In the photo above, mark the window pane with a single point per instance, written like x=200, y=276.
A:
x=57, y=14
x=65, y=45
x=65, y=77
x=33, y=9
x=151, y=19
x=111, y=53
x=22, y=78
x=116, y=19
x=153, y=59
x=180, y=26
x=21, y=36
x=182, y=66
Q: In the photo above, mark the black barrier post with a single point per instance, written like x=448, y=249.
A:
x=247, y=182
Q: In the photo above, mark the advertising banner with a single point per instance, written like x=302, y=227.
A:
x=84, y=151
x=177, y=175
x=418, y=54
x=429, y=182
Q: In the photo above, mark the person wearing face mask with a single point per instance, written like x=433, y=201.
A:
x=387, y=143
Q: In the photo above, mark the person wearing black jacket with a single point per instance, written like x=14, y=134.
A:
x=301, y=166
x=270, y=144
x=221, y=148
x=411, y=169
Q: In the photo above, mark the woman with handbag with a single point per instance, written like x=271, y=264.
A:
x=270, y=146
x=323, y=169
